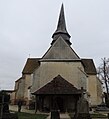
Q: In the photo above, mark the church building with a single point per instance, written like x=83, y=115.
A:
x=61, y=76
x=62, y=73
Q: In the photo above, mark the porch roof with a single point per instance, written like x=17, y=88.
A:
x=58, y=86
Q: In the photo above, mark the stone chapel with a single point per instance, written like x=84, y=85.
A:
x=59, y=75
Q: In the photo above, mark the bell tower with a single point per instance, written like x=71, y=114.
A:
x=61, y=29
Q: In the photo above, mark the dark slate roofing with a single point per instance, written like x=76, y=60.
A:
x=61, y=27
x=89, y=66
x=31, y=65
x=60, y=50
x=58, y=86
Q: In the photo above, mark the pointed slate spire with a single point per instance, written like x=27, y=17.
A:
x=61, y=28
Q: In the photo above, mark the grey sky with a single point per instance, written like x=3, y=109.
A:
x=26, y=27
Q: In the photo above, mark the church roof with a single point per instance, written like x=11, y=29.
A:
x=58, y=86
x=89, y=66
x=60, y=50
x=31, y=65
x=61, y=28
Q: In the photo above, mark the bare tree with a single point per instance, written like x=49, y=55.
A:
x=103, y=73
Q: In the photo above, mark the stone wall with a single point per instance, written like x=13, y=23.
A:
x=68, y=70
x=94, y=89
x=73, y=72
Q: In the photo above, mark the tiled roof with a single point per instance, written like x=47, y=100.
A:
x=89, y=66
x=58, y=86
x=31, y=65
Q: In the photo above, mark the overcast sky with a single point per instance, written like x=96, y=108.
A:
x=26, y=27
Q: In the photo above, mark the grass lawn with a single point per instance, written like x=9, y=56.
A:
x=23, y=115
x=98, y=116
x=95, y=115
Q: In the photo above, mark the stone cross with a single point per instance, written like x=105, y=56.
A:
x=82, y=108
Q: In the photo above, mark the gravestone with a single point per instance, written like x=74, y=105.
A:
x=82, y=109
x=55, y=114
x=4, y=107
